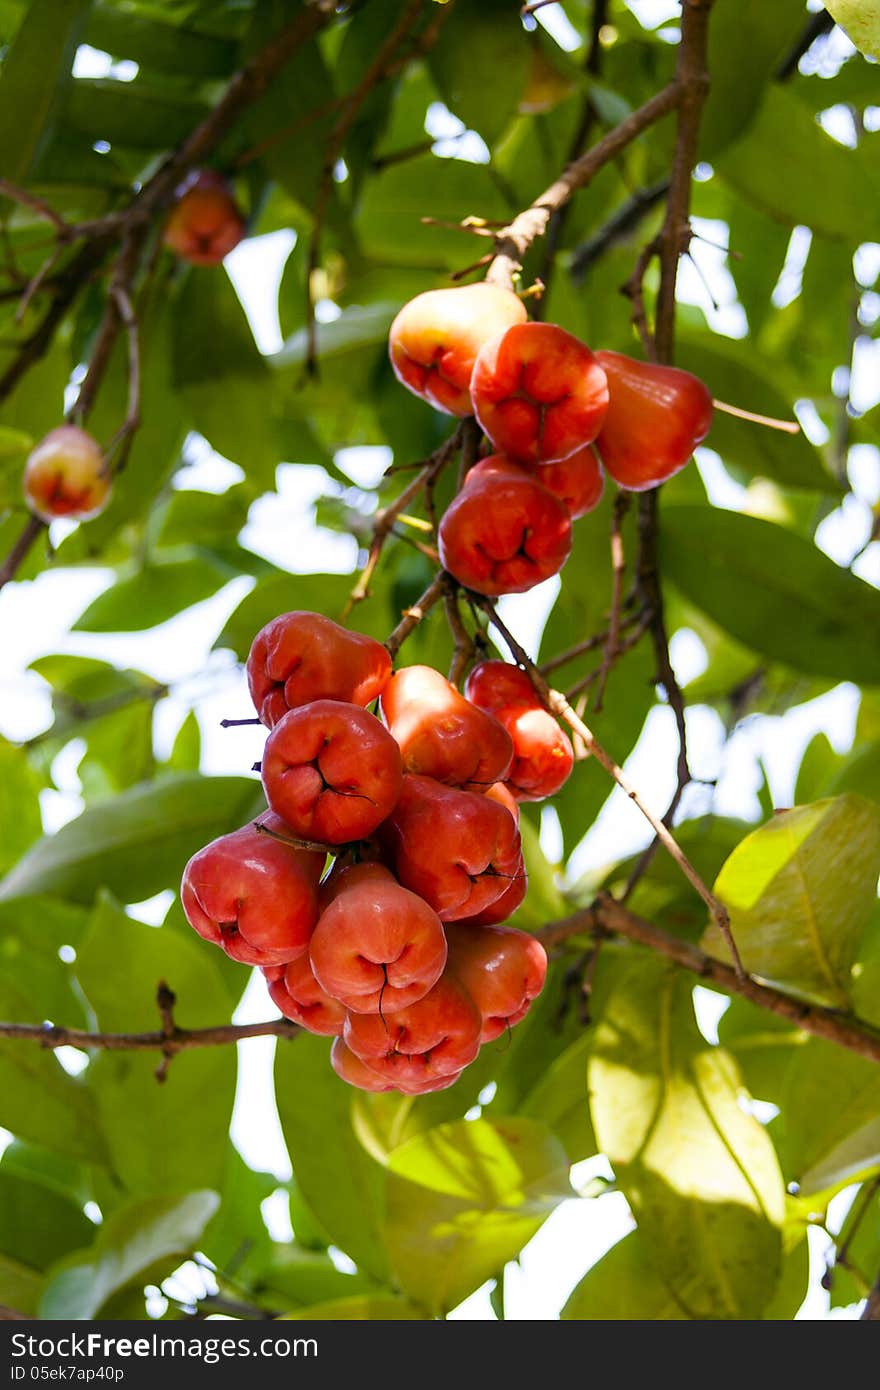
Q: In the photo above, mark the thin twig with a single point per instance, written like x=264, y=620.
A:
x=51, y=1035
x=512, y=242
x=609, y=918
x=618, y=568
x=165, y=1001
x=413, y=616
x=556, y=702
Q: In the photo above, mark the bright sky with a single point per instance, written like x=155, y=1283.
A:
x=35, y=619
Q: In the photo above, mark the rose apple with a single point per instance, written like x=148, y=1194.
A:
x=504, y=533
x=656, y=418
x=436, y=336
x=578, y=481
x=441, y=734
x=254, y=895
x=538, y=392
x=433, y=1038
x=205, y=223
x=377, y=947
x=543, y=755
x=502, y=969
x=67, y=475
x=303, y=656
x=295, y=991
x=456, y=849
x=331, y=771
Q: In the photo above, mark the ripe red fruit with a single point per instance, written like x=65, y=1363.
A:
x=505, y=906
x=304, y=656
x=538, y=392
x=435, y=338
x=434, y=1038
x=578, y=481
x=351, y=1069
x=295, y=991
x=456, y=849
x=331, y=771
x=656, y=418
x=543, y=755
x=441, y=734
x=377, y=947
x=253, y=895
x=500, y=792
x=504, y=533
x=205, y=222
x=66, y=475
x=502, y=969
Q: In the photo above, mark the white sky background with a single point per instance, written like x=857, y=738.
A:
x=35, y=619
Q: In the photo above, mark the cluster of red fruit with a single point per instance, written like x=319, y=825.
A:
x=555, y=412
x=397, y=952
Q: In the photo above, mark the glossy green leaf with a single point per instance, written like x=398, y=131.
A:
x=831, y=1117
x=481, y=37
x=623, y=1286
x=37, y=1225
x=699, y=1173
x=173, y=1135
x=20, y=820
x=747, y=41
x=732, y=374
x=789, y=602
x=137, y=1243
x=36, y=69
x=152, y=596
x=464, y=1198
x=136, y=844
x=800, y=891
x=861, y=20
x=560, y=1101
x=787, y=166
x=341, y=1183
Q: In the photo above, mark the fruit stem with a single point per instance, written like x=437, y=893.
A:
x=769, y=421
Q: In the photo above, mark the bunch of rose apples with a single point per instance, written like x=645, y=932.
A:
x=557, y=416
x=398, y=949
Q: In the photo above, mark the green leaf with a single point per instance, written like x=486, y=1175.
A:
x=623, y=1286
x=747, y=40
x=139, y=1242
x=389, y=221
x=155, y=44
x=37, y=1225
x=152, y=596
x=358, y=1308
x=20, y=820
x=816, y=773
x=800, y=892
x=20, y=1286
x=135, y=115
x=860, y=1235
x=192, y=517
x=135, y=844
x=464, y=1198
x=285, y=593
x=788, y=166
x=559, y=1100
x=773, y=591
x=35, y=73
x=699, y=1173
x=732, y=375
x=859, y=773
x=186, y=751
x=295, y=1277
x=341, y=1183
x=861, y=20
x=175, y=1134
x=480, y=64
x=830, y=1105
x=224, y=379
x=764, y=1046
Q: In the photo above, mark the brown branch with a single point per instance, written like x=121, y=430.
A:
x=673, y=239
x=556, y=228
x=606, y=917
x=414, y=615
x=51, y=1035
x=33, y=528
x=556, y=702
x=514, y=240
x=383, y=522
x=465, y=648
x=619, y=225
x=618, y=567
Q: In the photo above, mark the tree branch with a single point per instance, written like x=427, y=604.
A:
x=514, y=240
x=51, y=1035
x=608, y=918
